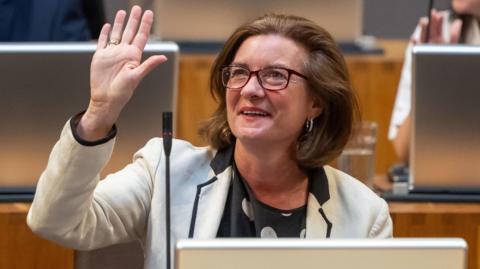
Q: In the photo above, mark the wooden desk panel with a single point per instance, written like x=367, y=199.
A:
x=440, y=220
x=195, y=103
x=375, y=81
x=20, y=248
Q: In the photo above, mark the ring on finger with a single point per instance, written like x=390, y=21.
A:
x=113, y=42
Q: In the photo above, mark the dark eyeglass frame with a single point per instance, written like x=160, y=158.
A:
x=256, y=72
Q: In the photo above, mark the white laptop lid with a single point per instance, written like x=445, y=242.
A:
x=445, y=138
x=42, y=85
x=447, y=253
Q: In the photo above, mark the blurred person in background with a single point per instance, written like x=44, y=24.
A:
x=50, y=20
x=460, y=24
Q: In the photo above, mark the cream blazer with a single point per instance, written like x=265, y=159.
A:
x=73, y=207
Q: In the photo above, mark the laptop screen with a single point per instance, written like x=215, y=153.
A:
x=314, y=254
x=42, y=85
x=445, y=148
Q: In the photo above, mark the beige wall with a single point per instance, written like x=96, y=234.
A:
x=111, y=6
x=216, y=19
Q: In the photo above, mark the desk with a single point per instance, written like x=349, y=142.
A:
x=439, y=220
x=428, y=219
x=21, y=249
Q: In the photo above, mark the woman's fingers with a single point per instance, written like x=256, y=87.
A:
x=133, y=34
x=141, y=37
x=132, y=25
x=436, y=27
x=423, y=23
x=103, y=37
x=149, y=64
x=116, y=33
x=455, y=30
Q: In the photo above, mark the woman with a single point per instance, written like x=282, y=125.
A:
x=461, y=25
x=285, y=110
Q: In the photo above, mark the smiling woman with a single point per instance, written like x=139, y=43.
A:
x=283, y=112
x=286, y=109
x=318, y=69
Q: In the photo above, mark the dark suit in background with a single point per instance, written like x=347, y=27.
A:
x=50, y=20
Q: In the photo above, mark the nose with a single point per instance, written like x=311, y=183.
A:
x=252, y=89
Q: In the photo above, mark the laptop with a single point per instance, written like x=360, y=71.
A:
x=44, y=84
x=445, y=138
x=419, y=253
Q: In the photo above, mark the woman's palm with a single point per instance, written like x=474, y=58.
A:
x=113, y=76
x=116, y=68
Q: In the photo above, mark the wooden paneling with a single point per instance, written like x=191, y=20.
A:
x=195, y=103
x=439, y=220
x=20, y=248
x=375, y=80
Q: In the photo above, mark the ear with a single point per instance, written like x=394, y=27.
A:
x=314, y=110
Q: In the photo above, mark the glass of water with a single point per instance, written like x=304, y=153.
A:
x=358, y=156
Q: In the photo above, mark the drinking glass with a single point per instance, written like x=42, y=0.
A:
x=358, y=157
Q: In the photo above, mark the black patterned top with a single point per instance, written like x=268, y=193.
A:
x=246, y=216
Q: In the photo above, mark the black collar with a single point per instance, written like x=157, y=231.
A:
x=222, y=160
x=319, y=182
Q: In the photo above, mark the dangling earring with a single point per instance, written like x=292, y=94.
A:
x=309, y=125
x=226, y=132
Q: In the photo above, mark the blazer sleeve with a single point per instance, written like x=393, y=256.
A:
x=383, y=225
x=73, y=207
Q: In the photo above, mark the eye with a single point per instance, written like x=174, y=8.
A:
x=274, y=75
x=235, y=77
x=236, y=72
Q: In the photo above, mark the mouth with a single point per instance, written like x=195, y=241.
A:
x=254, y=113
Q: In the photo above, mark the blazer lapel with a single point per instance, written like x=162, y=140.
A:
x=211, y=203
x=211, y=197
x=318, y=223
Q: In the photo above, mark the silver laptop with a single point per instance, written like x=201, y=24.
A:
x=42, y=85
x=313, y=254
x=445, y=148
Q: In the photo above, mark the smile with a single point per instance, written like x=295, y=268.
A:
x=254, y=113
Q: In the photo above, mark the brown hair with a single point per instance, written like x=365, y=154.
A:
x=328, y=84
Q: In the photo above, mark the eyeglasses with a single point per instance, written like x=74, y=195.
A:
x=270, y=78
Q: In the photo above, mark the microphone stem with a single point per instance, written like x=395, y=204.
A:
x=167, y=146
x=167, y=211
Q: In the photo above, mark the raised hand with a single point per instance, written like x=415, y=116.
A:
x=116, y=71
x=436, y=30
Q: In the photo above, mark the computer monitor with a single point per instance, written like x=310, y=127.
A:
x=42, y=85
x=419, y=253
x=445, y=138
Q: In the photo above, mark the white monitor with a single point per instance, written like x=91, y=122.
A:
x=445, y=140
x=416, y=253
x=43, y=84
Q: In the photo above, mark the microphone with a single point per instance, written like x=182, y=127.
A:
x=167, y=147
x=167, y=132
x=430, y=7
